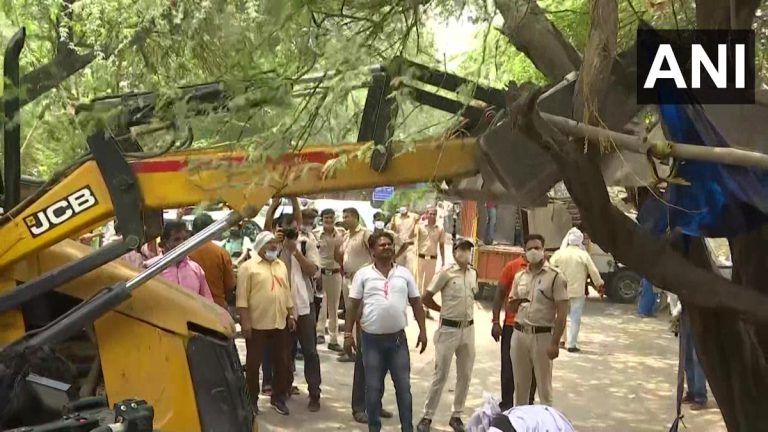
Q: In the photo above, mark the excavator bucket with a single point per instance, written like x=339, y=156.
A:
x=513, y=169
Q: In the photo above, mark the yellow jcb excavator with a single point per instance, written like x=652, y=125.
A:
x=87, y=341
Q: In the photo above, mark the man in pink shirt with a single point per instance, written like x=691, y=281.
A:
x=186, y=273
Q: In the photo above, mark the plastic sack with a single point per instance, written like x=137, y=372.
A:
x=481, y=419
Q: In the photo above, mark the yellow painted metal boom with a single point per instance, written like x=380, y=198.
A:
x=81, y=200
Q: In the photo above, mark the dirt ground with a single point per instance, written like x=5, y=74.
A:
x=623, y=380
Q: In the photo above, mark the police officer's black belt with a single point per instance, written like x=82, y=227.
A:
x=329, y=272
x=532, y=329
x=456, y=324
x=434, y=257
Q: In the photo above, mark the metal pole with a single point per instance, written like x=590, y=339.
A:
x=176, y=255
x=660, y=149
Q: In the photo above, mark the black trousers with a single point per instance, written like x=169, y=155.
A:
x=507, y=374
x=305, y=334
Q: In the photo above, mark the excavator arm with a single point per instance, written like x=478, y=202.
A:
x=82, y=199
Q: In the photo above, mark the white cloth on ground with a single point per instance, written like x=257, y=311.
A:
x=526, y=418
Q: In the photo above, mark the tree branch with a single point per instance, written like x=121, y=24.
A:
x=532, y=33
x=66, y=63
x=48, y=76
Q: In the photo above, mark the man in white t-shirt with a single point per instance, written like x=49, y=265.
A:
x=385, y=289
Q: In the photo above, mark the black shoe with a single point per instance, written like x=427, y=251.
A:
x=321, y=340
x=573, y=350
x=360, y=417
x=280, y=407
x=335, y=347
x=503, y=406
x=314, y=404
x=386, y=414
x=456, y=424
x=345, y=359
x=424, y=425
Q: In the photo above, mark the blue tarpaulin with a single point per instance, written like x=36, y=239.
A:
x=721, y=200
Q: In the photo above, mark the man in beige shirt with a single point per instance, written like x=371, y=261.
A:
x=355, y=255
x=404, y=224
x=457, y=286
x=354, y=248
x=431, y=239
x=575, y=264
x=265, y=307
x=330, y=238
x=540, y=297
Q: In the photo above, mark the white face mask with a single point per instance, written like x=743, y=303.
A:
x=271, y=255
x=378, y=225
x=403, y=211
x=462, y=256
x=534, y=255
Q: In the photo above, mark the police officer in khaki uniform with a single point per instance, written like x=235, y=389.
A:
x=330, y=238
x=405, y=225
x=431, y=239
x=540, y=296
x=457, y=286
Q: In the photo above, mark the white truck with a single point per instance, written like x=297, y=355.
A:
x=622, y=285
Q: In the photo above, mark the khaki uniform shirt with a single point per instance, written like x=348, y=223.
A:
x=429, y=238
x=543, y=289
x=405, y=227
x=326, y=244
x=355, y=247
x=263, y=288
x=457, y=289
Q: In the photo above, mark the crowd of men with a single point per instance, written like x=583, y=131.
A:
x=293, y=278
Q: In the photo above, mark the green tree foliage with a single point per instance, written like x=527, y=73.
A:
x=263, y=50
x=148, y=45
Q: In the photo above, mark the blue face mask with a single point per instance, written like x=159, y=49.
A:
x=271, y=255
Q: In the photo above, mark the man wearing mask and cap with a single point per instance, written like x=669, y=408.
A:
x=404, y=224
x=575, y=264
x=265, y=306
x=457, y=286
x=540, y=298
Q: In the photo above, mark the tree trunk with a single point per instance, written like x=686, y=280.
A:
x=716, y=14
x=729, y=347
x=731, y=355
x=532, y=33
x=595, y=73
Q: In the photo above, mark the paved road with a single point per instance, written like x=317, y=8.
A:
x=623, y=380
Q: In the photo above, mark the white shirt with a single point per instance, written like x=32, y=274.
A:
x=385, y=299
x=537, y=418
x=576, y=264
x=301, y=288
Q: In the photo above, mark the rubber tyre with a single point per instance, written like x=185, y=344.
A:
x=624, y=286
